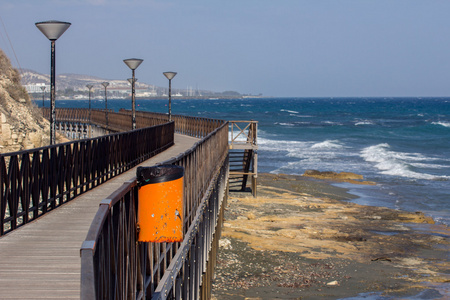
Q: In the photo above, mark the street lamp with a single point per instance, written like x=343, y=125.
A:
x=105, y=84
x=130, y=80
x=133, y=63
x=170, y=75
x=89, y=86
x=52, y=30
x=43, y=95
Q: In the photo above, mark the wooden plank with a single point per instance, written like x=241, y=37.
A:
x=41, y=260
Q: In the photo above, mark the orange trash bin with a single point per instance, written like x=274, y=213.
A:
x=160, y=203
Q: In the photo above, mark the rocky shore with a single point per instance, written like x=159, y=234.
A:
x=22, y=126
x=301, y=239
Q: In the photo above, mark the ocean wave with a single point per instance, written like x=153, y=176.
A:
x=294, y=157
x=301, y=116
x=292, y=124
x=290, y=111
x=394, y=163
x=363, y=122
x=285, y=124
x=332, y=123
x=328, y=144
x=445, y=124
x=281, y=145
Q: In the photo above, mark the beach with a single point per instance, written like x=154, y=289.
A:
x=302, y=238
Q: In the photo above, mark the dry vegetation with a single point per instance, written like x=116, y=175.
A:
x=22, y=124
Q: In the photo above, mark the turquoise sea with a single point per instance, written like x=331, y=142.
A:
x=403, y=144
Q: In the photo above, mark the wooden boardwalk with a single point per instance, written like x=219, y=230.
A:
x=41, y=260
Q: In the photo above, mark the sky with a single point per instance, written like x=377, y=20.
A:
x=284, y=48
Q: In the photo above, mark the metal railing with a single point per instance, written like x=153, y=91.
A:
x=192, y=126
x=115, y=266
x=117, y=122
x=35, y=181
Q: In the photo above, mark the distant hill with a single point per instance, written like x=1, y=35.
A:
x=77, y=83
x=71, y=81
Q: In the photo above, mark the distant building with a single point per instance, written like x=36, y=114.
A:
x=36, y=88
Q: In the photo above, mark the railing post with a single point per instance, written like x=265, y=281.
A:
x=87, y=282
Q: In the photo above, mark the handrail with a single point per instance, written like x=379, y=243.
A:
x=117, y=121
x=121, y=121
x=114, y=266
x=193, y=126
x=248, y=138
x=33, y=182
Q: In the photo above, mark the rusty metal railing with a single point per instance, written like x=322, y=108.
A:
x=35, y=181
x=117, y=121
x=192, y=126
x=115, y=266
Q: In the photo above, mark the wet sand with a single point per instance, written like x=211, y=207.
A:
x=301, y=239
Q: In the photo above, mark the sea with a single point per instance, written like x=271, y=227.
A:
x=402, y=144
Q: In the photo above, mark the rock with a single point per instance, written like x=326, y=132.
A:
x=312, y=173
x=225, y=243
x=6, y=131
x=19, y=118
x=35, y=138
x=251, y=216
x=342, y=176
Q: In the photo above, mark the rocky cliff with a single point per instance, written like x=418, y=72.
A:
x=21, y=123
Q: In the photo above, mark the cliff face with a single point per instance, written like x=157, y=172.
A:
x=21, y=123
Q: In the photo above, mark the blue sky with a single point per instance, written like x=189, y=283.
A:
x=300, y=48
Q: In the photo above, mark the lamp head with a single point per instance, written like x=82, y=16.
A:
x=105, y=84
x=89, y=86
x=52, y=29
x=133, y=63
x=170, y=75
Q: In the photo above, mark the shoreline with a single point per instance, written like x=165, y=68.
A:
x=300, y=239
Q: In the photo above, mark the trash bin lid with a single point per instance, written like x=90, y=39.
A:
x=158, y=174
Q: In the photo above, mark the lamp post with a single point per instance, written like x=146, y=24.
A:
x=105, y=85
x=89, y=86
x=133, y=63
x=130, y=80
x=52, y=30
x=170, y=75
x=43, y=95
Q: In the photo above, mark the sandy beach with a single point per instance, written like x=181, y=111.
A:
x=302, y=239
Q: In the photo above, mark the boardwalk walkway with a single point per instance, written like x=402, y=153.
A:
x=42, y=259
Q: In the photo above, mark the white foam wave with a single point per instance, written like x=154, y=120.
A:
x=285, y=124
x=394, y=163
x=445, y=124
x=328, y=144
x=280, y=145
x=290, y=111
x=332, y=123
x=363, y=122
x=293, y=157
